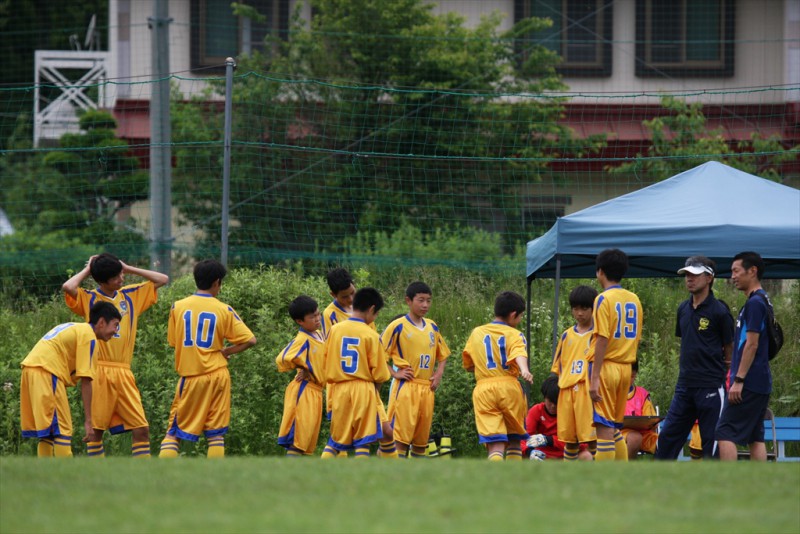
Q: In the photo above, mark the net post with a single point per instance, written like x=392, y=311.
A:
x=230, y=64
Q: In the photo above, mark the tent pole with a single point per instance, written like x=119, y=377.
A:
x=525, y=386
x=555, y=307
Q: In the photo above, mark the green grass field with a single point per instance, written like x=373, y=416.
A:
x=255, y=494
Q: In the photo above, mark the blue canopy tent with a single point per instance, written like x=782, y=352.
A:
x=713, y=210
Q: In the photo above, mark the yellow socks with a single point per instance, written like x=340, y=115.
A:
x=620, y=447
x=62, y=446
x=140, y=449
x=606, y=450
x=496, y=456
x=216, y=447
x=387, y=449
x=45, y=448
x=571, y=452
x=329, y=452
x=363, y=452
x=294, y=453
x=513, y=453
x=170, y=448
x=95, y=449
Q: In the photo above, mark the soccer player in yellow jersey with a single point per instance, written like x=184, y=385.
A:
x=64, y=356
x=117, y=404
x=575, y=411
x=302, y=402
x=497, y=354
x=354, y=364
x=617, y=318
x=342, y=290
x=198, y=327
x=420, y=354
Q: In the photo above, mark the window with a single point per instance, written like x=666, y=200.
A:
x=581, y=33
x=217, y=33
x=684, y=38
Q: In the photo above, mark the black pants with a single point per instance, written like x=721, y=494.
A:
x=689, y=404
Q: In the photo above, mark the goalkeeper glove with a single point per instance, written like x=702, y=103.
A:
x=537, y=455
x=537, y=440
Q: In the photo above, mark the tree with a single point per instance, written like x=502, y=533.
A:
x=376, y=112
x=68, y=199
x=681, y=141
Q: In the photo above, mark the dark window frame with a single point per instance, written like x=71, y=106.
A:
x=724, y=67
x=277, y=12
x=603, y=68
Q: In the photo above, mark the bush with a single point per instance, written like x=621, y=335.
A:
x=461, y=301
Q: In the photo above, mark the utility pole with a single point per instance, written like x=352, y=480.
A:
x=160, y=138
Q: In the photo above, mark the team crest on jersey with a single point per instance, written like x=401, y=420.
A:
x=704, y=322
x=123, y=308
x=433, y=341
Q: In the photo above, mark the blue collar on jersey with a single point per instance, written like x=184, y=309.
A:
x=500, y=322
x=109, y=296
x=202, y=295
x=616, y=286
x=408, y=318
x=336, y=303
x=357, y=320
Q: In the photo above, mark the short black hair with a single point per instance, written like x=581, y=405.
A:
x=550, y=389
x=751, y=259
x=105, y=267
x=635, y=366
x=367, y=297
x=582, y=297
x=415, y=288
x=613, y=262
x=302, y=306
x=339, y=280
x=206, y=272
x=103, y=310
x=507, y=302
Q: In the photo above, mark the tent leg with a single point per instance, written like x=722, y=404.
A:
x=555, y=307
x=528, y=298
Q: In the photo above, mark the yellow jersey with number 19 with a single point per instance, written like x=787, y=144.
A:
x=617, y=316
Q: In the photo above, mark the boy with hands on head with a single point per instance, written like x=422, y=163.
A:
x=116, y=401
